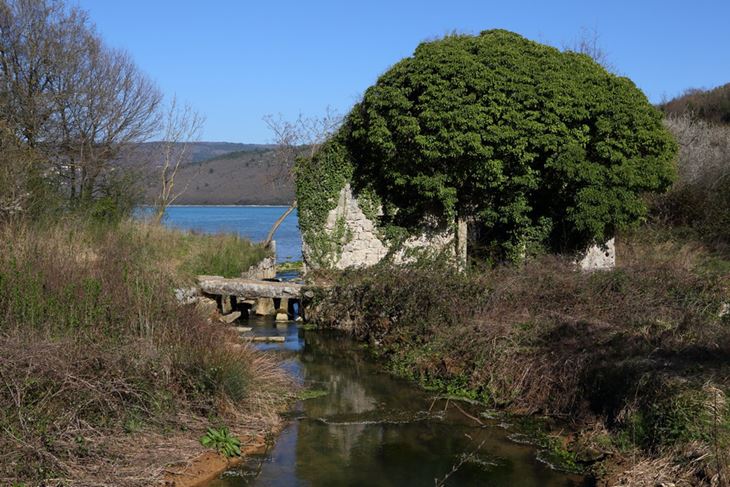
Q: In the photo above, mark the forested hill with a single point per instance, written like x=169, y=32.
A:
x=220, y=173
x=712, y=105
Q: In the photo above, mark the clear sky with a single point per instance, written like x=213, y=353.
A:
x=237, y=61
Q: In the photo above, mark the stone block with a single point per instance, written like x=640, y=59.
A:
x=598, y=257
x=230, y=318
x=206, y=306
x=226, y=304
x=264, y=307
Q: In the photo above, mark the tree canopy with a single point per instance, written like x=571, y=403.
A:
x=537, y=145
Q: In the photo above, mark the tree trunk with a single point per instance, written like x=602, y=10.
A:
x=461, y=243
x=278, y=223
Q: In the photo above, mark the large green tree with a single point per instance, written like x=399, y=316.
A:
x=537, y=145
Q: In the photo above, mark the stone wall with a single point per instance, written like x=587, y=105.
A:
x=598, y=257
x=266, y=269
x=363, y=247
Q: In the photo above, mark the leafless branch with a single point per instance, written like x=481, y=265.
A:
x=182, y=126
x=301, y=138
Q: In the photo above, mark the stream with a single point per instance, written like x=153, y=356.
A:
x=369, y=428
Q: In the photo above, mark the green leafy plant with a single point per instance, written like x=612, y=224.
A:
x=222, y=441
x=540, y=149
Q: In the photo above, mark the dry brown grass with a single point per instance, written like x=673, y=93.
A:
x=638, y=349
x=104, y=378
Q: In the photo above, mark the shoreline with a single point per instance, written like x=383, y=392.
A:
x=208, y=465
x=220, y=206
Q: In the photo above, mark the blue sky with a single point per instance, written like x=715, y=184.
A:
x=237, y=61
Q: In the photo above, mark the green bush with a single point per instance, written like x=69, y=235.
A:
x=224, y=255
x=539, y=146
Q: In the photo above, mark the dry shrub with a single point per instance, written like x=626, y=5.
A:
x=701, y=197
x=94, y=348
x=635, y=348
x=380, y=301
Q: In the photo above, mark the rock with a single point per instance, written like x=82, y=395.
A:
x=187, y=295
x=266, y=269
x=276, y=339
x=264, y=307
x=226, y=304
x=248, y=288
x=206, y=306
x=243, y=329
x=724, y=310
x=282, y=314
x=231, y=317
x=598, y=257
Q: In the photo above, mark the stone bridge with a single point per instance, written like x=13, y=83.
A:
x=233, y=297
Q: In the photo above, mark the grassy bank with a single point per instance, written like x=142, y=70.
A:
x=104, y=378
x=190, y=253
x=634, y=358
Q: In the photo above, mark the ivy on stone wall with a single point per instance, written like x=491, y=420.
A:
x=319, y=182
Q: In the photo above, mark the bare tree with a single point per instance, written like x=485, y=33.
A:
x=704, y=150
x=301, y=138
x=16, y=173
x=182, y=125
x=30, y=58
x=104, y=104
x=588, y=43
x=67, y=95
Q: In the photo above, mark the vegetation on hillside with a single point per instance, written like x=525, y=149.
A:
x=246, y=177
x=711, y=105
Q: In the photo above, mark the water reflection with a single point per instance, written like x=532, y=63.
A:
x=374, y=430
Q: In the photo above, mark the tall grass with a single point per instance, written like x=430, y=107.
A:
x=190, y=253
x=94, y=346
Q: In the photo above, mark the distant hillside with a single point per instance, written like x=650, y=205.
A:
x=711, y=105
x=220, y=173
x=196, y=151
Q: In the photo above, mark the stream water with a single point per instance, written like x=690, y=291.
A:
x=369, y=428
x=372, y=429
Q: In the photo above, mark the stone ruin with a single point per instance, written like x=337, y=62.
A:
x=364, y=247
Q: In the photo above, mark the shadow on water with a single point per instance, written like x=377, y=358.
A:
x=372, y=429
